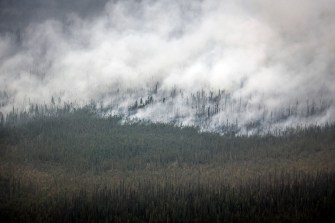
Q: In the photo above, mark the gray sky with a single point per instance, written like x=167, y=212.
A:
x=18, y=14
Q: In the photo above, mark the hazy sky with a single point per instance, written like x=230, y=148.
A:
x=280, y=50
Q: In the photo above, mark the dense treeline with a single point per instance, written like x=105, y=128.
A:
x=294, y=199
x=105, y=143
x=75, y=166
x=214, y=111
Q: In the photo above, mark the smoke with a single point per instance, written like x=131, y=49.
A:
x=270, y=54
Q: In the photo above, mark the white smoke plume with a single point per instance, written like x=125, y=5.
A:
x=264, y=55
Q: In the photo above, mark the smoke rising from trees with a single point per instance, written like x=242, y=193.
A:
x=266, y=55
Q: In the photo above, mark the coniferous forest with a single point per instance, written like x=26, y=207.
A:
x=192, y=111
x=78, y=166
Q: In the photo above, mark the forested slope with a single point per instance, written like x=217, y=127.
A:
x=77, y=166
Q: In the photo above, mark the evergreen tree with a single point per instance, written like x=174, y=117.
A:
x=2, y=121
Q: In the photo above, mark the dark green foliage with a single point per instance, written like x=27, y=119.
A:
x=75, y=166
x=289, y=198
x=85, y=140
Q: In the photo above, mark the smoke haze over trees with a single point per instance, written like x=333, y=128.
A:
x=167, y=111
x=239, y=61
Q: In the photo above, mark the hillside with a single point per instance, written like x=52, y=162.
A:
x=77, y=166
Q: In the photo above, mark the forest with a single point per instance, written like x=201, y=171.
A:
x=219, y=111
x=167, y=111
x=68, y=164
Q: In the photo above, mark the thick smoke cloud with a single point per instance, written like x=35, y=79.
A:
x=271, y=54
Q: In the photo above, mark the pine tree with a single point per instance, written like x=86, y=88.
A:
x=1, y=119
